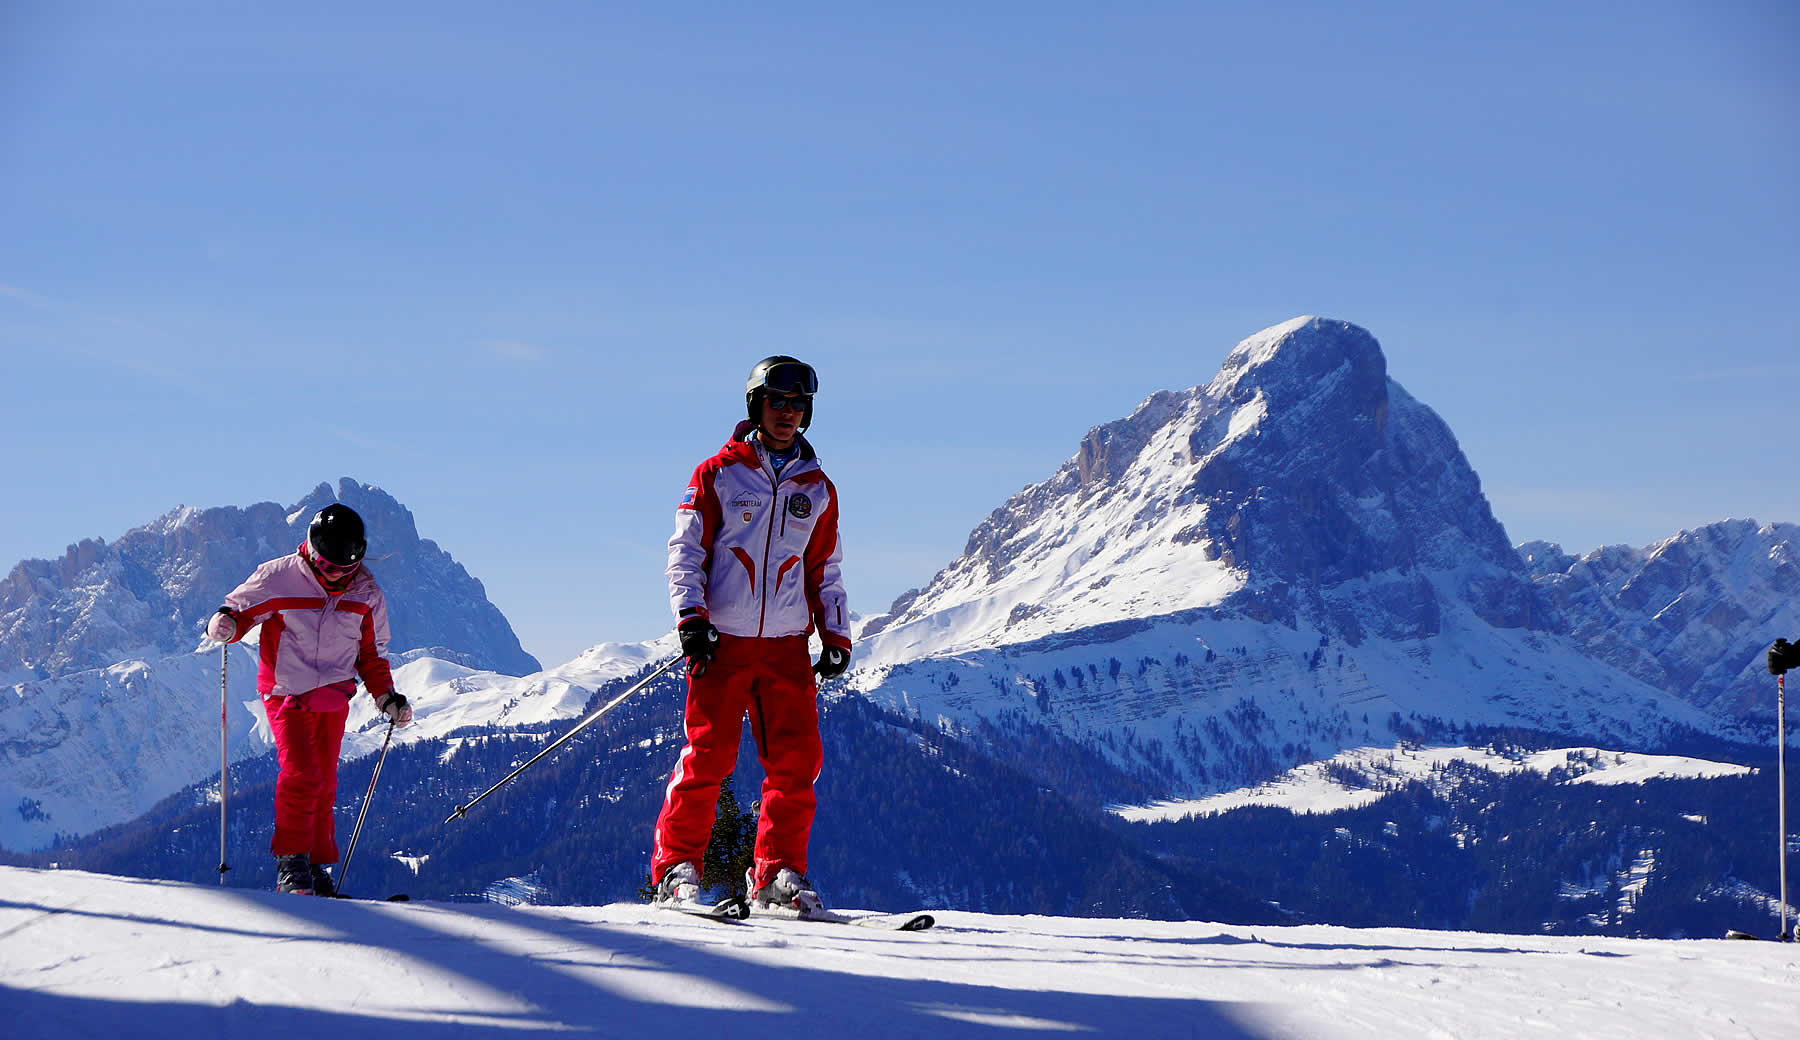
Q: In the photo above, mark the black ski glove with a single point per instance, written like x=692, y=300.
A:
x=832, y=663
x=699, y=642
x=394, y=705
x=1783, y=656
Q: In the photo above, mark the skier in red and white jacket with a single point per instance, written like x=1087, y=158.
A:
x=324, y=623
x=753, y=572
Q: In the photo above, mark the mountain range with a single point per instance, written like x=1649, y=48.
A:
x=1281, y=566
x=148, y=593
x=1288, y=561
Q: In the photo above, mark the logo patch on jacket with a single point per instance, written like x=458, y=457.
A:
x=745, y=504
x=687, y=500
x=799, y=506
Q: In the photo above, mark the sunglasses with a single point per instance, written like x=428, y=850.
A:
x=798, y=403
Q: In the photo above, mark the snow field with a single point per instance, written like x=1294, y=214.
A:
x=86, y=955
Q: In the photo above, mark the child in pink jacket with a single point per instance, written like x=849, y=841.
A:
x=324, y=623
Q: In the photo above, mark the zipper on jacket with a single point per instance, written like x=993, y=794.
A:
x=762, y=618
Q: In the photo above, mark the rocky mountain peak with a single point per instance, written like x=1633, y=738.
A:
x=1692, y=614
x=147, y=593
x=1299, y=485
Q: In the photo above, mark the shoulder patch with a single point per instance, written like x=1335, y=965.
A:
x=687, y=499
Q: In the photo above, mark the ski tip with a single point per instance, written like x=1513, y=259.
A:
x=398, y=897
x=1735, y=934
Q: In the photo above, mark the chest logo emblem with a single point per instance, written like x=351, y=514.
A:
x=799, y=506
x=745, y=504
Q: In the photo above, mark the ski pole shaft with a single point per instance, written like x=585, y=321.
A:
x=462, y=810
x=224, y=755
x=1781, y=790
x=368, y=796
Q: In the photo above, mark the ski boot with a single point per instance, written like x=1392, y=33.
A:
x=679, y=884
x=293, y=874
x=785, y=891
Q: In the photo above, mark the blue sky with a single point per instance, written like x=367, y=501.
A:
x=512, y=262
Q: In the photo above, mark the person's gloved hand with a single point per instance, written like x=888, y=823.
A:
x=832, y=662
x=699, y=643
x=223, y=627
x=394, y=705
x=1783, y=656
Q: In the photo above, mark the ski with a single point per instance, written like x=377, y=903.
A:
x=906, y=922
x=397, y=897
x=1735, y=934
x=730, y=910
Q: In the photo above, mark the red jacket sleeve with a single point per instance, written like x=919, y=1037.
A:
x=824, y=578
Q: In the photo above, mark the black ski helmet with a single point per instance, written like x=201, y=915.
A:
x=784, y=375
x=336, y=534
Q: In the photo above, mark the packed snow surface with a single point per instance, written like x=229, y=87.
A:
x=92, y=955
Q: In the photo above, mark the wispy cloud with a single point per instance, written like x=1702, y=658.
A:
x=23, y=295
x=512, y=350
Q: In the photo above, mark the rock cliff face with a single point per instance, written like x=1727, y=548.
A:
x=1301, y=486
x=1693, y=614
x=147, y=594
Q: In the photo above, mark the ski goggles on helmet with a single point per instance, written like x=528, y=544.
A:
x=795, y=377
x=334, y=571
x=328, y=570
x=788, y=403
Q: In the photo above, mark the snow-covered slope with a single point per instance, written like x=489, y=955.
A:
x=95, y=748
x=1290, y=560
x=1318, y=787
x=448, y=697
x=1693, y=614
x=92, y=955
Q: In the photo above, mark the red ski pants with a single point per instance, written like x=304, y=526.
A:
x=772, y=681
x=306, y=747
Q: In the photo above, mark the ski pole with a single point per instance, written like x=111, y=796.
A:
x=224, y=756
x=462, y=810
x=344, y=871
x=1781, y=792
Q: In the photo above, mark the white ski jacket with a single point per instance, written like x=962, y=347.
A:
x=312, y=637
x=756, y=554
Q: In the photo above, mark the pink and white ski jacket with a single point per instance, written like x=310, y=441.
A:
x=759, y=555
x=312, y=637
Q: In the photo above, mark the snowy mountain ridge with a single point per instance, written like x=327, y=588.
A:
x=1692, y=614
x=1321, y=787
x=1300, y=485
x=147, y=594
x=1288, y=561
